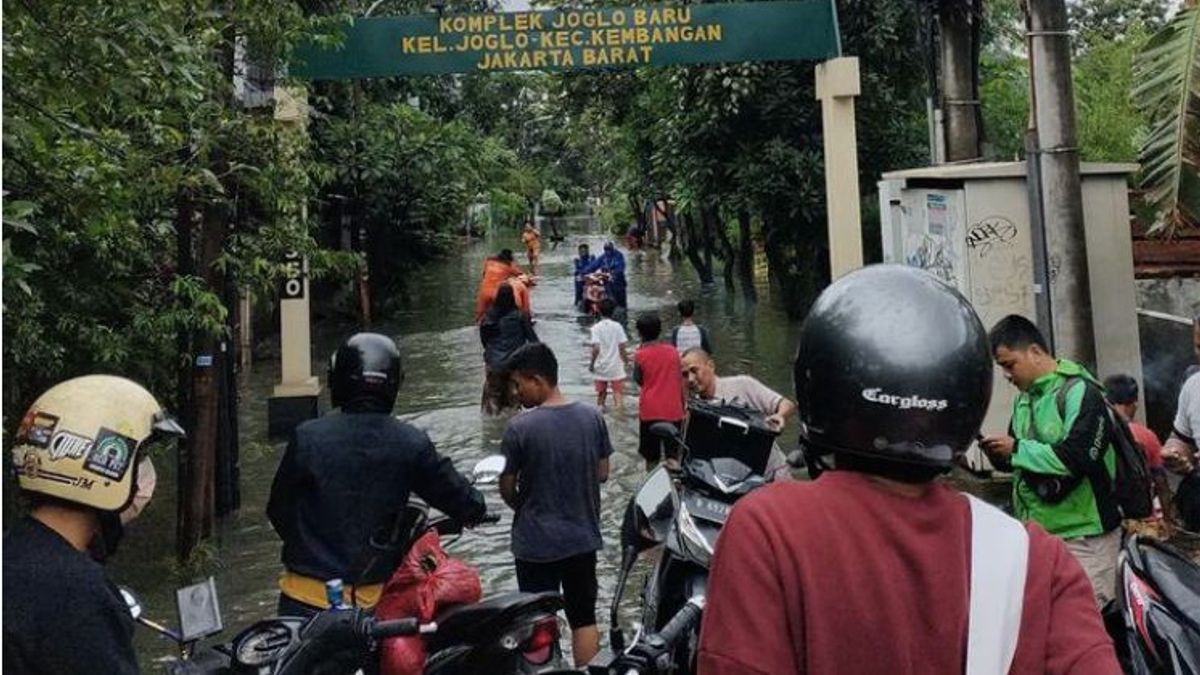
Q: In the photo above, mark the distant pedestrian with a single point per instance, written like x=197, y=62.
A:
x=608, y=356
x=557, y=457
x=533, y=245
x=1122, y=392
x=688, y=334
x=657, y=369
x=503, y=331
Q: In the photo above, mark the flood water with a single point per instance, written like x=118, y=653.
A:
x=444, y=368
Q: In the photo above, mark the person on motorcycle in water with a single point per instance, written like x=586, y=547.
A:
x=345, y=478
x=78, y=455
x=877, y=566
x=613, y=262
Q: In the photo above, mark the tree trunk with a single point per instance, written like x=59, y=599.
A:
x=745, y=263
x=198, y=499
x=727, y=257
x=691, y=248
x=799, y=262
x=960, y=96
x=710, y=221
x=188, y=534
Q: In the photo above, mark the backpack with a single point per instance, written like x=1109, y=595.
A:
x=1132, y=488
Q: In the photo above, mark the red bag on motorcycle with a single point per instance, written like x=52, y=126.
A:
x=426, y=581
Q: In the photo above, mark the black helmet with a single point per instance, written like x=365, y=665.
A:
x=894, y=370
x=364, y=373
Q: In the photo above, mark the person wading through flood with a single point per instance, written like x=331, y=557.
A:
x=557, y=457
x=876, y=566
x=581, y=262
x=533, y=245
x=504, y=330
x=498, y=270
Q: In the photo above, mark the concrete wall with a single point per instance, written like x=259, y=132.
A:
x=1166, y=345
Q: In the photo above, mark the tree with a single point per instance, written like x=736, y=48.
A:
x=122, y=139
x=1168, y=93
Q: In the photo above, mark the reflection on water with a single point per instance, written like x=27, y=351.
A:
x=444, y=374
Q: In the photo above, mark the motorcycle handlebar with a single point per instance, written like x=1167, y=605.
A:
x=455, y=526
x=380, y=630
x=683, y=621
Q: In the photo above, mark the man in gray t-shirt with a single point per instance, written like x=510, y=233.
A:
x=557, y=457
x=1180, y=450
x=701, y=374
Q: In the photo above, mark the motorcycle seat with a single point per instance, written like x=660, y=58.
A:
x=481, y=621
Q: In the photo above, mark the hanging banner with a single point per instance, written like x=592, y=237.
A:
x=566, y=39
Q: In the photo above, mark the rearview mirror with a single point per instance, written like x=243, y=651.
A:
x=131, y=601
x=488, y=469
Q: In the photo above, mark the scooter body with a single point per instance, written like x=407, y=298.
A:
x=1158, y=597
x=682, y=511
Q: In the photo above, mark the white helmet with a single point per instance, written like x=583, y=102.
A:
x=80, y=441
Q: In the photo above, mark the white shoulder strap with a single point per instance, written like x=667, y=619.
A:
x=999, y=559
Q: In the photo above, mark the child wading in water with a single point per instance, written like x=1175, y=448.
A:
x=557, y=457
x=658, y=370
x=608, y=355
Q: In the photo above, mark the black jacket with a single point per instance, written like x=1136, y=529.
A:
x=344, y=476
x=503, y=335
x=62, y=615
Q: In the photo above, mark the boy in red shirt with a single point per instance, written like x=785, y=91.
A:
x=657, y=370
x=868, y=569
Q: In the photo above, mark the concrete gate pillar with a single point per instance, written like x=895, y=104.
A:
x=837, y=85
x=295, y=398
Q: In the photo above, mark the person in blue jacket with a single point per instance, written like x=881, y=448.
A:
x=581, y=263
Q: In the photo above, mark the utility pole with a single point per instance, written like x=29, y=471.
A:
x=960, y=97
x=1065, y=266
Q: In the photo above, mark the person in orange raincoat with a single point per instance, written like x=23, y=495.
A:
x=533, y=245
x=497, y=270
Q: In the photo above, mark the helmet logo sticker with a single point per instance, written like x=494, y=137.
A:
x=877, y=395
x=37, y=428
x=67, y=445
x=111, y=454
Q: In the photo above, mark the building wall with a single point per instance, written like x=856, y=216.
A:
x=1166, y=345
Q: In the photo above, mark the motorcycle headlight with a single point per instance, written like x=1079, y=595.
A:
x=693, y=539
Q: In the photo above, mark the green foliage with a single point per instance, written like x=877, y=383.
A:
x=1168, y=93
x=552, y=204
x=1107, y=123
x=720, y=140
x=508, y=209
x=113, y=113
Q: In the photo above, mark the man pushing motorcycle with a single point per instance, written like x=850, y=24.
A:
x=345, y=479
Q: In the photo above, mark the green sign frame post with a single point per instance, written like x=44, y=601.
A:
x=568, y=39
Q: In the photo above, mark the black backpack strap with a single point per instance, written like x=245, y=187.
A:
x=1060, y=397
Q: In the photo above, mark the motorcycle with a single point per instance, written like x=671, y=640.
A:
x=682, y=510
x=652, y=653
x=1155, y=619
x=595, y=290
x=506, y=633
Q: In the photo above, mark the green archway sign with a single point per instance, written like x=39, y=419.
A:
x=566, y=39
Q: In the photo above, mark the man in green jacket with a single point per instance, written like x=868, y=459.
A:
x=1059, y=449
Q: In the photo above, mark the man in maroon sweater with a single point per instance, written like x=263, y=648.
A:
x=868, y=568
